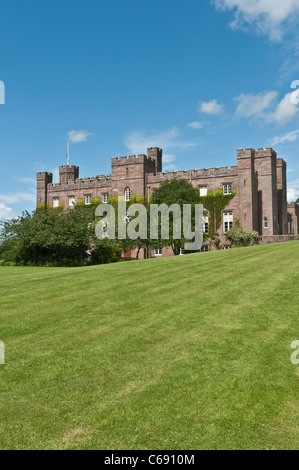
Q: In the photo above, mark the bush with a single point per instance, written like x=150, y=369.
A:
x=239, y=237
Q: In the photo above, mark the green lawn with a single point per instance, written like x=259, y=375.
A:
x=191, y=352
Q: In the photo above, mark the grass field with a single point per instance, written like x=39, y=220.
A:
x=191, y=352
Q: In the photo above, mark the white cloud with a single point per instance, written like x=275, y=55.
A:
x=268, y=17
x=254, y=105
x=264, y=106
x=5, y=212
x=210, y=107
x=293, y=191
x=286, y=138
x=138, y=142
x=75, y=137
x=285, y=111
x=13, y=198
x=168, y=159
x=196, y=125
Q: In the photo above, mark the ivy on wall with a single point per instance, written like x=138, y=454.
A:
x=214, y=202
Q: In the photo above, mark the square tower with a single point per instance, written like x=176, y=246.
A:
x=265, y=166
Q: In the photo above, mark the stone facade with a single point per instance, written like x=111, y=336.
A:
x=293, y=218
x=259, y=179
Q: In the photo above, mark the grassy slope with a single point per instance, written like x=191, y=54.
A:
x=181, y=353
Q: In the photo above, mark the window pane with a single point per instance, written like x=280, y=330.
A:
x=203, y=191
x=127, y=194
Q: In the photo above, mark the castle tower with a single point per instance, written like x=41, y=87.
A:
x=156, y=154
x=265, y=166
x=130, y=173
x=43, y=179
x=282, y=202
x=247, y=189
x=68, y=174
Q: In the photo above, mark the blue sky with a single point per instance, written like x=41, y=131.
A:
x=197, y=78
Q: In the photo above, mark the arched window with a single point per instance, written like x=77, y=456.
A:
x=127, y=194
x=265, y=222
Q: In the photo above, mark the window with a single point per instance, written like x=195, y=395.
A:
x=203, y=190
x=127, y=172
x=228, y=220
x=226, y=247
x=127, y=194
x=204, y=248
x=55, y=201
x=72, y=201
x=158, y=252
x=265, y=222
x=227, y=189
x=88, y=199
x=182, y=251
x=206, y=224
x=105, y=198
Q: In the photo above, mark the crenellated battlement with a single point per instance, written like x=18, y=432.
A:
x=268, y=152
x=281, y=162
x=132, y=159
x=215, y=172
x=82, y=183
x=43, y=174
x=259, y=153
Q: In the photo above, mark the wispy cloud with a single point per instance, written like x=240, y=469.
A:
x=196, y=125
x=293, y=191
x=285, y=111
x=25, y=180
x=139, y=142
x=27, y=193
x=76, y=137
x=13, y=198
x=265, y=106
x=210, y=107
x=168, y=162
x=5, y=212
x=267, y=17
x=286, y=138
x=250, y=105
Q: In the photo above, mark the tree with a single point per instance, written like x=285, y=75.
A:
x=215, y=202
x=55, y=237
x=297, y=202
x=175, y=192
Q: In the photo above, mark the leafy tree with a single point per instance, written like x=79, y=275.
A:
x=214, y=202
x=177, y=191
x=55, y=237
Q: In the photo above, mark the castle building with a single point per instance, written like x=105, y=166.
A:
x=259, y=179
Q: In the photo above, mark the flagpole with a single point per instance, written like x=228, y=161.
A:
x=68, y=153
